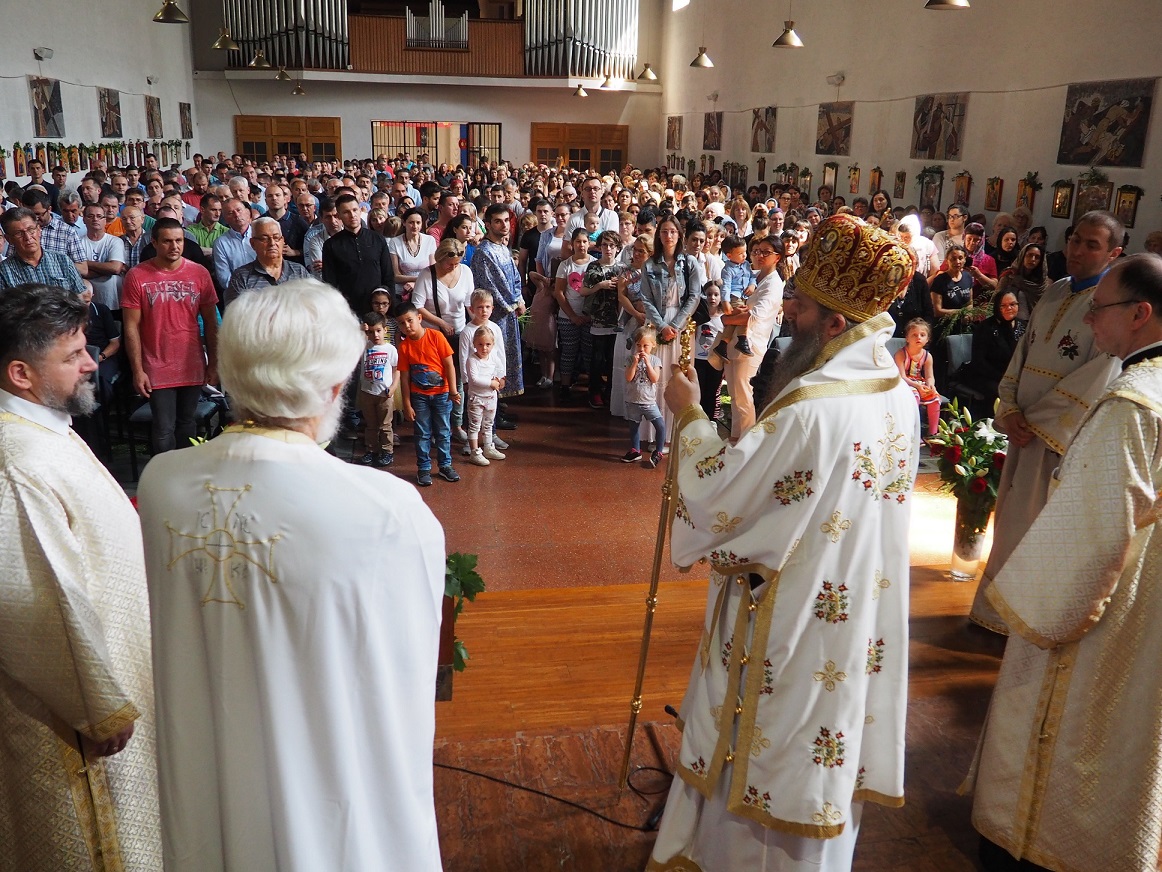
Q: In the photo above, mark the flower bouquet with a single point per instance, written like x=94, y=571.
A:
x=970, y=456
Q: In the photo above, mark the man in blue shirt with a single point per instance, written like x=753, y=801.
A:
x=233, y=248
x=27, y=261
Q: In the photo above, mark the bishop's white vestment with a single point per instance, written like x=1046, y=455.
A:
x=1056, y=374
x=1069, y=770
x=296, y=606
x=74, y=657
x=794, y=715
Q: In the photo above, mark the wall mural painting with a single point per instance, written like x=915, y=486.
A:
x=938, y=126
x=1105, y=123
x=833, y=134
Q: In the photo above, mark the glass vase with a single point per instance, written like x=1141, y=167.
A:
x=972, y=517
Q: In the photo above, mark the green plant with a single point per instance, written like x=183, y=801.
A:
x=461, y=582
x=970, y=456
x=1033, y=181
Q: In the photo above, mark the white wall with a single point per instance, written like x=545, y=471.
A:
x=360, y=103
x=114, y=44
x=1016, y=60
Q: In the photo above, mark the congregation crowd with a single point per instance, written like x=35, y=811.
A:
x=433, y=296
x=581, y=279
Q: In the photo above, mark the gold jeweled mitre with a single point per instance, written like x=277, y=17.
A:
x=853, y=268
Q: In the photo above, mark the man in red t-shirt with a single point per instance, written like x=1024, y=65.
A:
x=427, y=380
x=161, y=300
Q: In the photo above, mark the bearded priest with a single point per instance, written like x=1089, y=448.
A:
x=794, y=715
x=78, y=778
x=296, y=603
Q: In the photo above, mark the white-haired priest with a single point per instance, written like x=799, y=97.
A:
x=296, y=605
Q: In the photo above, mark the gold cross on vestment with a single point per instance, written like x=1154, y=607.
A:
x=227, y=549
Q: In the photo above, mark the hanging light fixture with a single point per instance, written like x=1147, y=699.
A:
x=607, y=85
x=298, y=89
x=647, y=75
x=788, y=38
x=282, y=75
x=259, y=61
x=170, y=14
x=224, y=42
x=702, y=61
x=580, y=92
x=946, y=4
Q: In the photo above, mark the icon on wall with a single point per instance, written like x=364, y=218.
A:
x=938, y=126
x=834, y=131
x=109, y=111
x=186, y=116
x=153, y=117
x=1105, y=123
x=762, y=130
x=674, y=132
x=48, y=115
x=712, y=132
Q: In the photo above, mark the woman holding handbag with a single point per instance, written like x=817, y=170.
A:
x=441, y=296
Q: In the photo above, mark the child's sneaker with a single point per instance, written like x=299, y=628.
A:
x=631, y=456
x=477, y=458
x=499, y=443
x=367, y=459
x=459, y=435
x=466, y=450
x=721, y=349
x=384, y=458
x=743, y=346
x=655, y=459
x=448, y=474
x=492, y=454
x=424, y=479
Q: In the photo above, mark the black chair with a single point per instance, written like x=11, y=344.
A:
x=209, y=420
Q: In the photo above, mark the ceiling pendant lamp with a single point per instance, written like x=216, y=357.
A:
x=702, y=61
x=946, y=4
x=259, y=61
x=224, y=42
x=282, y=75
x=580, y=92
x=647, y=75
x=607, y=85
x=298, y=89
x=788, y=38
x=170, y=14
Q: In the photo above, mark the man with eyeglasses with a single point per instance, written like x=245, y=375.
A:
x=28, y=262
x=591, y=190
x=269, y=266
x=1055, y=376
x=1078, y=696
x=954, y=235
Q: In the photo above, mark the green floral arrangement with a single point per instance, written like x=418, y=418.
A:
x=461, y=582
x=970, y=456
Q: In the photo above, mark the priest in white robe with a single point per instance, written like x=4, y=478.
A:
x=1069, y=771
x=78, y=779
x=794, y=715
x=1055, y=376
x=296, y=605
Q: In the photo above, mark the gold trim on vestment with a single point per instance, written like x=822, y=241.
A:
x=93, y=803
x=1056, y=446
x=674, y=864
x=864, y=794
x=853, y=335
x=279, y=434
x=114, y=724
x=1014, y=621
x=1047, y=373
x=851, y=388
x=1066, y=304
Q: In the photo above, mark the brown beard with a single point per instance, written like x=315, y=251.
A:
x=798, y=358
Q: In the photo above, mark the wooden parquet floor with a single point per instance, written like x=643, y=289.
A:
x=554, y=645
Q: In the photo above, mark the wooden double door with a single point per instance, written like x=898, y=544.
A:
x=263, y=137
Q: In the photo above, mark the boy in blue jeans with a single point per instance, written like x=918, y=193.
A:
x=427, y=379
x=737, y=286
